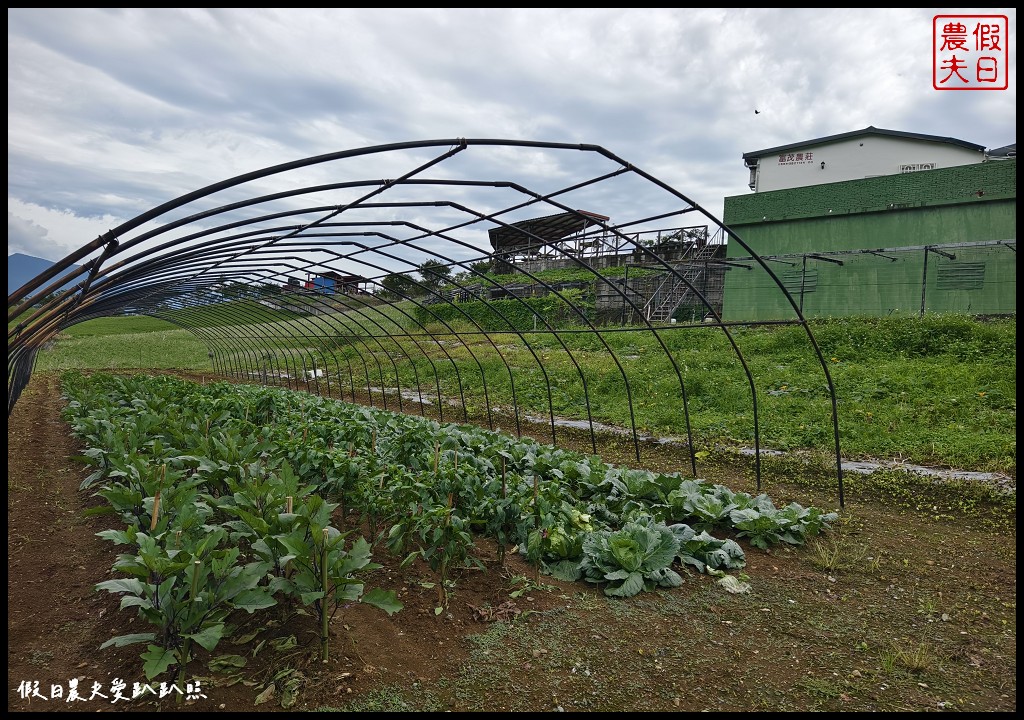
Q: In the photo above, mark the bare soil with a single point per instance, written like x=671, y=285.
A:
x=909, y=605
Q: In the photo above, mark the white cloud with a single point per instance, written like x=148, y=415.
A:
x=51, y=234
x=115, y=111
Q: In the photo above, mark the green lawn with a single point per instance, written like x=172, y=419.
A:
x=125, y=342
x=938, y=390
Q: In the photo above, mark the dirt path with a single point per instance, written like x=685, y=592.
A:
x=54, y=618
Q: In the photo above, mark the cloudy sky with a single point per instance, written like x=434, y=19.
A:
x=112, y=112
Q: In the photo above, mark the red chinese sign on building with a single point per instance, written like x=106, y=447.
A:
x=799, y=158
x=970, y=52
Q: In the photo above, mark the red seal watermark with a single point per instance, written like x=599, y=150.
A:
x=970, y=52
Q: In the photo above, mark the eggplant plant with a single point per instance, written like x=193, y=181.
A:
x=432, y=529
x=326, y=575
x=231, y=454
x=146, y=497
x=186, y=593
x=262, y=508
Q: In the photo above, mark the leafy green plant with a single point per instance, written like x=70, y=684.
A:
x=703, y=552
x=326, y=575
x=708, y=507
x=766, y=525
x=438, y=535
x=434, y=486
x=640, y=492
x=637, y=557
x=187, y=594
x=555, y=546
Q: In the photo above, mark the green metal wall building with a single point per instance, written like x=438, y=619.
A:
x=941, y=240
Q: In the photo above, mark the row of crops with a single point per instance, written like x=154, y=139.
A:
x=230, y=498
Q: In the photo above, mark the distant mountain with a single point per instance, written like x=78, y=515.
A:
x=22, y=268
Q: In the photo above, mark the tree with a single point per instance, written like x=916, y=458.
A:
x=234, y=290
x=398, y=286
x=471, y=276
x=434, y=273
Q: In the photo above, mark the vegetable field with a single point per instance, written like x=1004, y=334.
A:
x=248, y=469
x=271, y=549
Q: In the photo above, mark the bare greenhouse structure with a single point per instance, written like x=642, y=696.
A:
x=424, y=275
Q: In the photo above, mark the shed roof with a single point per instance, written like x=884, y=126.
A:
x=550, y=229
x=1006, y=151
x=339, y=277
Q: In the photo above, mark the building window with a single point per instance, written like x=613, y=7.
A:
x=961, y=276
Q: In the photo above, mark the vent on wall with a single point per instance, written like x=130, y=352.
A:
x=961, y=276
x=792, y=280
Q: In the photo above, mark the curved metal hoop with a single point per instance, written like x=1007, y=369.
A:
x=451, y=286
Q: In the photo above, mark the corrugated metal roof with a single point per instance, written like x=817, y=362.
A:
x=550, y=229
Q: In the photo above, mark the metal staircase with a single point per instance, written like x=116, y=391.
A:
x=676, y=289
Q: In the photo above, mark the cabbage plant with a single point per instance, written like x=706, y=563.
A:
x=637, y=557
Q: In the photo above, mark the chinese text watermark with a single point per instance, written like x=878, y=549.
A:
x=76, y=690
x=970, y=52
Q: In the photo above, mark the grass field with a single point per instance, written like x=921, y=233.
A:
x=937, y=390
x=125, y=342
